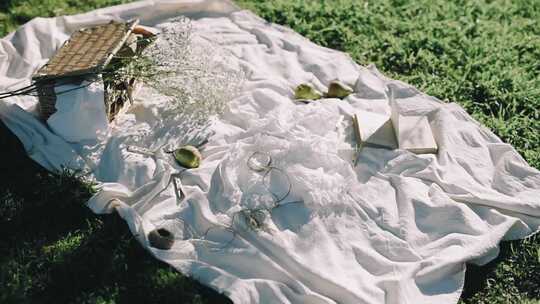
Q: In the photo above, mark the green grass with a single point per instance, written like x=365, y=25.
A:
x=485, y=55
x=16, y=12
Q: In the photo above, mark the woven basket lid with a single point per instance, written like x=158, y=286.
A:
x=87, y=51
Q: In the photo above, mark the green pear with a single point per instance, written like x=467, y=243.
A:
x=338, y=89
x=306, y=91
x=188, y=156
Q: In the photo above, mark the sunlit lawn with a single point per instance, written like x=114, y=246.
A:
x=484, y=55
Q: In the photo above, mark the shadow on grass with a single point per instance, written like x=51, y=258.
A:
x=5, y=8
x=4, y=5
x=511, y=278
x=53, y=249
x=476, y=276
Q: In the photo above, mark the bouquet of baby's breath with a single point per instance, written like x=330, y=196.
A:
x=190, y=74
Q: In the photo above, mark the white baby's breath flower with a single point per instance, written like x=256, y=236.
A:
x=190, y=74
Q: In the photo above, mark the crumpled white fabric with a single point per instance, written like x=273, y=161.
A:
x=80, y=112
x=397, y=228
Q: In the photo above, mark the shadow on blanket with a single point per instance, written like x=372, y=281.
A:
x=40, y=210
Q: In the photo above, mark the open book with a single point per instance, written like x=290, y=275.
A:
x=374, y=130
x=413, y=133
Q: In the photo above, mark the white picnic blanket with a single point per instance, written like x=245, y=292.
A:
x=397, y=228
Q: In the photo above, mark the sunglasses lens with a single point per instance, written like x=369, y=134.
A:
x=221, y=236
x=277, y=182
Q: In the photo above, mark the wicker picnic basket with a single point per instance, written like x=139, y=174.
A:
x=86, y=55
